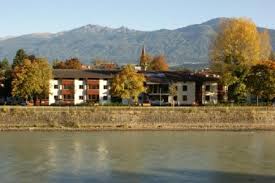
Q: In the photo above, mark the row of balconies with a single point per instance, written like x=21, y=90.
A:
x=72, y=91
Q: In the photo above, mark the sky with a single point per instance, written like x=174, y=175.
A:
x=19, y=17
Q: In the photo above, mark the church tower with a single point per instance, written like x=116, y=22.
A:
x=143, y=59
x=142, y=56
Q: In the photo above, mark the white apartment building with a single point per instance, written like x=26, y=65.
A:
x=192, y=89
x=73, y=87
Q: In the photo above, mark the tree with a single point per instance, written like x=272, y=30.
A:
x=5, y=77
x=237, y=90
x=159, y=63
x=44, y=73
x=237, y=47
x=73, y=63
x=4, y=66
x=31, y=79
x=19, y=58
x=128, y=84
x=237, y=43
x=265, y=45
x=261, y=81
x=173, y=91
x=270, y=64
x=272, y=56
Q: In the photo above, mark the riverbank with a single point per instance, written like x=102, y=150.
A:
x=136, y=118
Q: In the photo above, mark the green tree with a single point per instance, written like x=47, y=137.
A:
x=128, y=84
x=159, y=63
x=19, y=58
x=261, y=81
x=5, y=77
x=4, y=66
x=237, y=90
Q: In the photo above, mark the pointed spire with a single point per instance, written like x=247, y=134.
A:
x=142, y=55
x=143, y=51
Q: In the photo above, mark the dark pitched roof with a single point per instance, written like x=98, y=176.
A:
x=151, y=76
x=89, y=74
x=178, y=76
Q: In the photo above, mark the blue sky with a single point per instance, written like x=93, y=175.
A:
x=28, y=16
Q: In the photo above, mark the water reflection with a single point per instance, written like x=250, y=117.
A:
x=137, y=157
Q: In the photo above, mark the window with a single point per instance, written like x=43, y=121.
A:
x=55, y=97
x=93, y=97
x=207, y=98
x=105, y=97
x=184, y=88
x=105, y=87
x=55, y=86
x=175, y=98
x=207, y=88
x=68, y=97
x=68, y=87
x=81, y=97
x=94, y=87
x=184, y=98
x=81, y=86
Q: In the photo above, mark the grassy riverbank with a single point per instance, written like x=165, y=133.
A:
x=137, y=118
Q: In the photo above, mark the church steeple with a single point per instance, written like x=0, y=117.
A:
x=143, y=51
x=143, y=59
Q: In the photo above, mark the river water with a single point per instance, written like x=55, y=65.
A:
x=134, y=157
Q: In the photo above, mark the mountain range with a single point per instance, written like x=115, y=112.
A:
x=183, y=46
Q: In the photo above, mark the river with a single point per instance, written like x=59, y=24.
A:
x=151, y=156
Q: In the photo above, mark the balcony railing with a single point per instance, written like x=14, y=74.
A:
x=67, y=92
x=93, y=91
x=67, y=82
x=93, y=82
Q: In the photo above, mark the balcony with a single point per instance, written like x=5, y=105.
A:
x=93, y=91
x=67, y=92
x=93, y=82
x=67, y=82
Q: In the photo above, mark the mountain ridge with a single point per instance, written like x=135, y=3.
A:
x=186, y=45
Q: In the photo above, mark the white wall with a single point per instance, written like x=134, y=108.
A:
x=213, y=93
x=190, y=93
x=104, y=92
x=79, y=92
x=53, y=92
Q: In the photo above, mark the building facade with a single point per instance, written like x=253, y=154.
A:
x=191, y=88
x=74, y=87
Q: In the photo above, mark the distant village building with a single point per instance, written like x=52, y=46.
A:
x=104, y=65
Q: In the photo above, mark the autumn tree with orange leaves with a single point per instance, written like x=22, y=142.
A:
x=159, y=63
x=73, y=63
